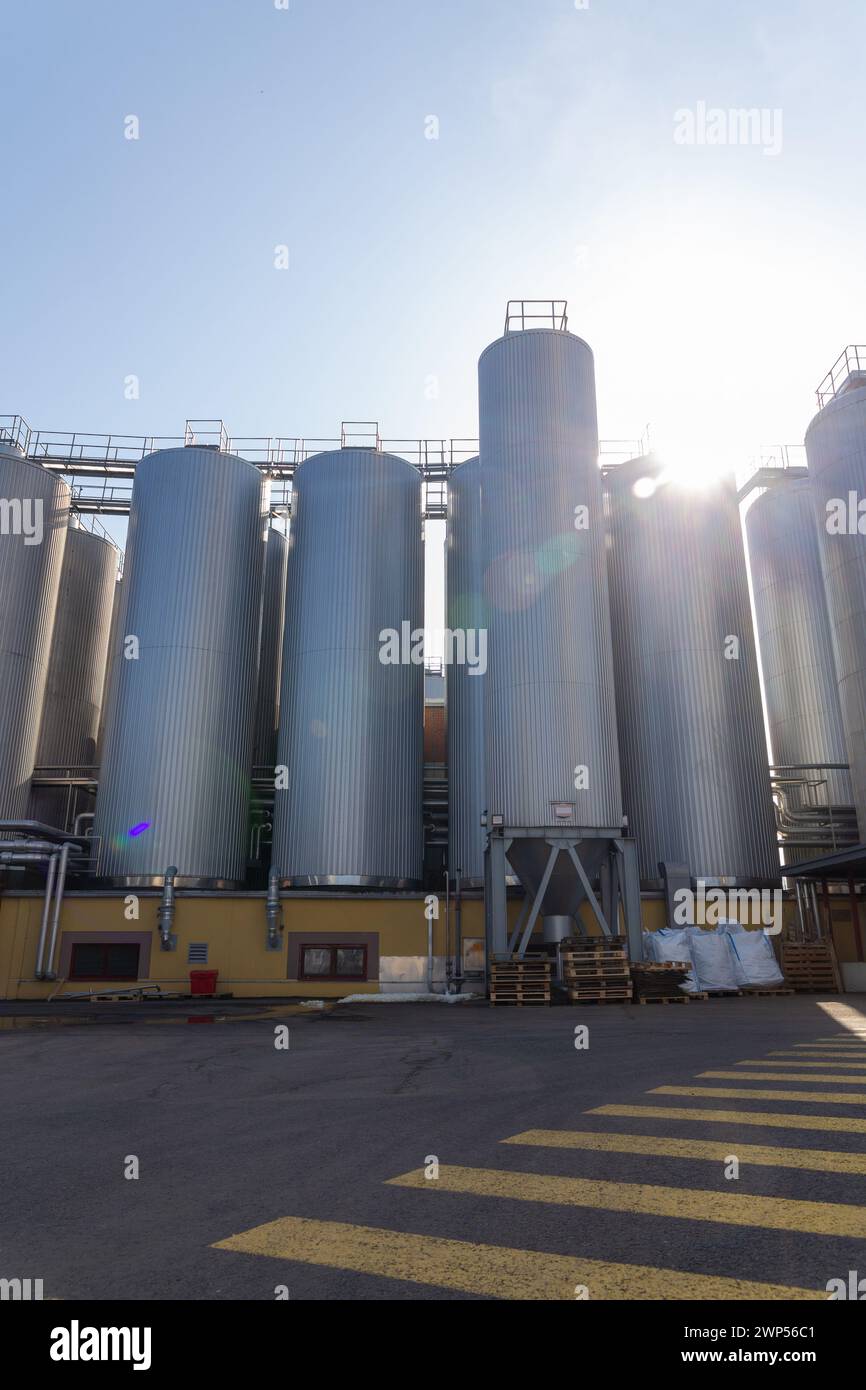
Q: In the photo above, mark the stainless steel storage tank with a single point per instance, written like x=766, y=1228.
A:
x=695, y=773
x=174, y=782
x=351, y=725
x=270, y=649
x=836, y=450
x=76, y=668
x=34, y=509
x=465, y=613
x=794, y=643
x=550, y=723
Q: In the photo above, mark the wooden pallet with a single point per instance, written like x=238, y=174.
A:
x=518, y=998
x=596, y=999
x=811, y=967
x=521, y=980
x=654, y=967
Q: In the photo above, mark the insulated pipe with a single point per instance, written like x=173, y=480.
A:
x=273, y=909
x=458, y=926
x=429, y=951
x=82, y=815
x=166, y=908
x=46, y=906
x=449, y=961
x=58, y=903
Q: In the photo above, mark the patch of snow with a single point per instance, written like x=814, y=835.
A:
x=393, y=998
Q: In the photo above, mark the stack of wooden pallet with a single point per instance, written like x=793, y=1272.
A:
x=595, y=969
x=810, y=966
x=659, y=982
x=520, y=981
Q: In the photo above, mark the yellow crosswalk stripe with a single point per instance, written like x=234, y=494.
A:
x=680, y=1203
x=855, y=1080
x=828, y=1056
x=819, y=1097
x=492, y=1271
x=824, y=1048
x=815, y=1160
x=844, y=1038
x=842, y=1124
x=813, y=1059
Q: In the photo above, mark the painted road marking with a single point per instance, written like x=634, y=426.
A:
x=682, y=1203
x=855, y=1080
x=827, y=1056
x=793, y=1062
x=844, y=1038
x=816, y=1160
x=819, y=1097
x=823, y=1049
x=842, y=1124
x=492, y=1271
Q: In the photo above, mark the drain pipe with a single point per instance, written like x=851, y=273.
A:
x=46, y=907
x=449, y=961
x=58, y=903
x=274, y=911
x=458, y=930
x=165, y=916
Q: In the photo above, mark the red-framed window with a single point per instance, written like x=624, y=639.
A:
x=113, y=961
x=327, y=961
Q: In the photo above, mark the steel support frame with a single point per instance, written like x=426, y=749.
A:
x=619, y=878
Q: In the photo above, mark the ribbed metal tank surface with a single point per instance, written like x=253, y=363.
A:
x=174, y=783
x=31, y=558
x=270, y=649
x=79, y=651
x=465, y=610
x=549, y=702
x=696, y=783
x=76, y=668
x=836, y=450
x=794, y=644
x=351, y=727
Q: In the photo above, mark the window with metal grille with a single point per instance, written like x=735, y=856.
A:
x=91, y=961
x=197, y=953
x=333, y=962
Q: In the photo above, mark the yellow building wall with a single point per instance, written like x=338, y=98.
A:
x=235, y=929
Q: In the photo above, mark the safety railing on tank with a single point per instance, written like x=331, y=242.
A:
x=89, y=521
x=521, y=314
x=851, y=363
x=15, y=430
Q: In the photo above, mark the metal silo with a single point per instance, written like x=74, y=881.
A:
x=270, y=649
x=836, y=450
x=465, y=612
x=695, y=774
x=794, y=643
x=34, y=509
x=550, y=723
x=351, y=722
x=174, y=781
x=76, y=668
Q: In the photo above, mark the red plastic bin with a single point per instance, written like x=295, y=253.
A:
x=203, y=981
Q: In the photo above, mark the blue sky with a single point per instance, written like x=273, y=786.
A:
x=715, y=284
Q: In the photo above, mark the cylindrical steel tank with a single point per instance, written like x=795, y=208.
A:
x=466, y=613
x=351, y=711
x=836, y=450
x=794, y=643
x=174, y=783
x=76, y=668
x=550, y=723
x=696, y=785
x=270, y=649
x=34, y=510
